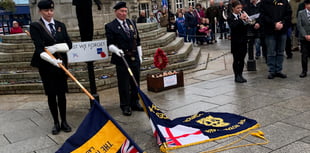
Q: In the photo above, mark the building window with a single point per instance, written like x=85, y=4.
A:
x=145, y=7
x=179, y=4
x=191, y=3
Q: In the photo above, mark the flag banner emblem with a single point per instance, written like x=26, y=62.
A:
x=164, y=3
x=99, y=133
x=195, y=129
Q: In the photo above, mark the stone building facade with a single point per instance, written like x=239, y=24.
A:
x=65, y=11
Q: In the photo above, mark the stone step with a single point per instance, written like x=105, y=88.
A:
x=12, y=57
x=160, y=42
x=151, y=35
x=8, y=51
x=74, y=34
x=16, y=47
x=171, y=48
x=24, y=52
x=146, y=27
x=12, y=62
x=16, y=67
x=33, y=88
x=101, y=68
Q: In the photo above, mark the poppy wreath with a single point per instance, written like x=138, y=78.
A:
x=160, y=59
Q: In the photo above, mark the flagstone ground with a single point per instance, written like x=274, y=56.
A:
x=281, y=106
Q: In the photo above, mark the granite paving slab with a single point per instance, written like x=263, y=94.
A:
x=271, y=114
x=3, y=140
x=28, y=145
x=299, y=120
x=280, y=134
x=296, y=147
x=298, y=103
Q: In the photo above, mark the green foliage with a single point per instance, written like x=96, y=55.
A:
x=8, y=5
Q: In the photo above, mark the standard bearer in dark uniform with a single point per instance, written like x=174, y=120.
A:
x=123, y=40
x=52, y=34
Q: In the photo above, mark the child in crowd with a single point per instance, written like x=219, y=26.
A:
x=172, y=26
x=181, y=26
x=204, y=31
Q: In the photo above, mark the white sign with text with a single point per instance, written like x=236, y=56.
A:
x=170, y=81
x=88, y=51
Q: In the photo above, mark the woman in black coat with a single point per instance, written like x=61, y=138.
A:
x=237, y=21
x=48, y=32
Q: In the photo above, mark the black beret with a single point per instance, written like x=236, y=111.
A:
x=307, y=1
x=46, y=4
x=120, y=5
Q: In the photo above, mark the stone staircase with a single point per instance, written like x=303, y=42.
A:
x=18, y=77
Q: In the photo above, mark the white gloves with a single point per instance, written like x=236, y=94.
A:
x=140, y=53
x=49, y=59
x=61, y=47
x=116, y=50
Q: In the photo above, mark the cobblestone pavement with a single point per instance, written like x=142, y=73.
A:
x=281, y=106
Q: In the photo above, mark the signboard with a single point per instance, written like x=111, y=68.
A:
x=21, y=1
x=88, y=51
x=170, y=81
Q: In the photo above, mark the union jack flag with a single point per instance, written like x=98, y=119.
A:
x=128, y=147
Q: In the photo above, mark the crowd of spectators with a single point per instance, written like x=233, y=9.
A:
x=272, y=28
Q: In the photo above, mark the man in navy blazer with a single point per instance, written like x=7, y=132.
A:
x=123, y=40
x=303, y=25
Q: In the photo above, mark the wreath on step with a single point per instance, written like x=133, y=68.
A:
x=160, y=59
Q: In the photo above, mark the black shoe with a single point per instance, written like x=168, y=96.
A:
x=303, y=74
x=221, y=37
x=65, y=127
x=243, y=79
x=271, y=76
x=295, y=49
x=281, y=75
x=238, y=79
x=56, y=129
x=289, y=57
x=137, y=108
x=126, y=111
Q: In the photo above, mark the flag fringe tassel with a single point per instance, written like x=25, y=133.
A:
x=164, y=148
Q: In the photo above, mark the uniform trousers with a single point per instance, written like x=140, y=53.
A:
x=305, y=53
x=128, y=92
x=55, y=86
x=85, y=21
x=239, y=52
x=55, y=102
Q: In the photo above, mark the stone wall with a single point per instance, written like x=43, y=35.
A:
x=65, y=12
